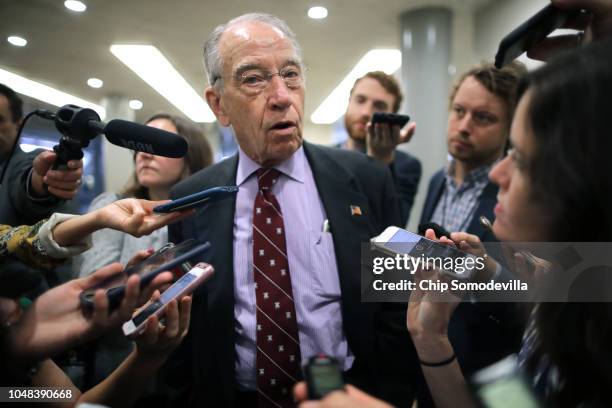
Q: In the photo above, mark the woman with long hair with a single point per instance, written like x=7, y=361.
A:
x=554, y=187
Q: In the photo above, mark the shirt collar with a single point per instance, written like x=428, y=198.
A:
x=293, y=167
x=478, y=176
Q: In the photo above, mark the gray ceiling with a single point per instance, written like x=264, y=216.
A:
x=66, y=48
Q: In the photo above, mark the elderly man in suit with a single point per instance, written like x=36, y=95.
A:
x=286, y=249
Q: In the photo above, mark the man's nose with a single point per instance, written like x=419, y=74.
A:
x=365, y=111
x=279, y=93
x=465, y=124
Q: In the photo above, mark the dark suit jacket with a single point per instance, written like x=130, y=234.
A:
x=406, y=171
x=481, y=333
x=343, y=178
x=16, y=208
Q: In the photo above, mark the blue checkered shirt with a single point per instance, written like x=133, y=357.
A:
x=457, y=204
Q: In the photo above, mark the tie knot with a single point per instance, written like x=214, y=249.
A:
x=266, y=177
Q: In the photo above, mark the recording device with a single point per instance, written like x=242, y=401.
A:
x=531, y=32
x=197, y=199
x=503, y=385
x=395, y=241
x=79, y=125
x=182, y=287
x=174, y=258
x=323, y=375
x=390, y=118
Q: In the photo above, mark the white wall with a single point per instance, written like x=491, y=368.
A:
x=494, y=21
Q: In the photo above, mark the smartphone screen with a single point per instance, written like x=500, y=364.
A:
x=414, y=245
x=164, y=299
x=167, y=258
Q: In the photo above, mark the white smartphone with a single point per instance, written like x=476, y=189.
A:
x=448, y=259
x=182, y=287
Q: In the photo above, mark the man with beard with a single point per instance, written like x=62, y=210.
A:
x=379, y=92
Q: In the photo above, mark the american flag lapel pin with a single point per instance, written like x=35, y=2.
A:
x=355, y=210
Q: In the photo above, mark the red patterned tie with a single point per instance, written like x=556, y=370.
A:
x=278, y=344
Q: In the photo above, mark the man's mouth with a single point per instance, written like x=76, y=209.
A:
x=286, y=124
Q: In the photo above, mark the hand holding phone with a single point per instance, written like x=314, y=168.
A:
x=323, y=375
x=182, y=287
x=395, y=240
x=385, y=133
x=198, y=199
x=532, y=32
x=168, y=258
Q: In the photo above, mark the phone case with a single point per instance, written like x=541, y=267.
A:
x=391, y=118
x=197, y=199
x=531, y=32
x=182, y=287
x=115, y=294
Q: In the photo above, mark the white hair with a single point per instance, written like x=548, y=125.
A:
x=213, y=62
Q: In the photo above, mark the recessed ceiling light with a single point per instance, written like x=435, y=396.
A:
x=334, y=106
x=153, y=68
x=135, y=104
x=95, y=82
x=75, y=5
x=317, y=12
x=45, y=93
x=17, y=41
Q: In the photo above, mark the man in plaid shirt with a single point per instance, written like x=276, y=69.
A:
x=480, y=112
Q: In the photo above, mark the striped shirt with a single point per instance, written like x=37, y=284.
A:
x=312, y=264
x=458, y=203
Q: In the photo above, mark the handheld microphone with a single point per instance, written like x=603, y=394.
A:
x=80, y=125
x=145, y=138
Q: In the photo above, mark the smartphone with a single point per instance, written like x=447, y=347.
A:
x=395, y=240
x=197, y=199
x=168, y=258
x=390, y=118
x=323, y=375
x=182, y=287
x=502, y=385
x=532, y=32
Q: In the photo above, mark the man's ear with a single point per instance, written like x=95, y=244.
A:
x=213, y=97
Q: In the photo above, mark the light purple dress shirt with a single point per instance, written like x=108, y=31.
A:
x=312, y=265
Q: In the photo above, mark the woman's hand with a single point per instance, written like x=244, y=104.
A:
x=156, y=343
x=136, y=217
x=430, y=310
x=56, y=321
x=471, y=244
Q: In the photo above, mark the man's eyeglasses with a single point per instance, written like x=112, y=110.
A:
x=256, y=81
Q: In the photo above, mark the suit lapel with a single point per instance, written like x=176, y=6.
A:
x=437, y=187
x=215, y=223
x=339, y=191
x=486, y=203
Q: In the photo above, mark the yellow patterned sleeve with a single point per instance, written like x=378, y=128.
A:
x=23, y=243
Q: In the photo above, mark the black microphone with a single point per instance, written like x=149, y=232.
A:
x=143, y=138
x=80, y=125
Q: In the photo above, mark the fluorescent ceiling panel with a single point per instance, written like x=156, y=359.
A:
x=334, y=106
x=45, y=93
x=153, y=68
